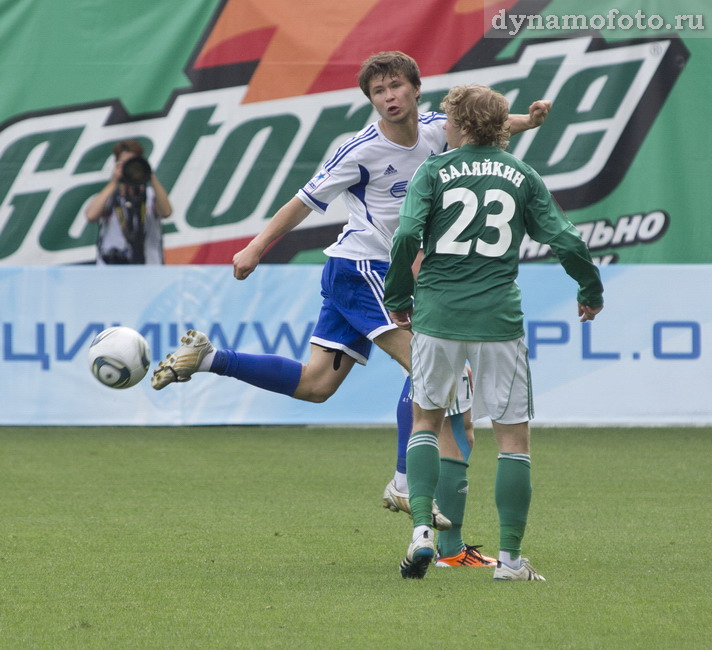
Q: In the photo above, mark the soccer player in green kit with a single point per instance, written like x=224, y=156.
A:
x=470, y=208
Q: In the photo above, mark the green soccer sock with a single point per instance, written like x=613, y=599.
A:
x=513, y=494
x=422, y=470
x=451, y=495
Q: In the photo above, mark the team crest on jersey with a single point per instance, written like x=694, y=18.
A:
x=315, y=182
x=399, y=189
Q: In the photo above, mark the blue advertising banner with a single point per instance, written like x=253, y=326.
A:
x=645, y=360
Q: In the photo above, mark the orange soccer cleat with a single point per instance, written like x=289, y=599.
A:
x=470, y=556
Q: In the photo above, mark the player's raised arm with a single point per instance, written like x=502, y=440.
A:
x=288, y=217
x=538, y=111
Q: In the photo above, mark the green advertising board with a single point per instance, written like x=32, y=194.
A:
x=238, y=102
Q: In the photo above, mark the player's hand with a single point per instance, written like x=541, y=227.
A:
x=402, y=318
x=538, y=112
x=244, y=262
x=588, y=313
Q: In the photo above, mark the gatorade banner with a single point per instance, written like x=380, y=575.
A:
x=238, y=102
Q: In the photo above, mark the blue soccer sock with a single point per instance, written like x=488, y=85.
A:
x=268, y=371
x=404, y=420
x=457, y=424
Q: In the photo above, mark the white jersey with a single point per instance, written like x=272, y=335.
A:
x=373, y=174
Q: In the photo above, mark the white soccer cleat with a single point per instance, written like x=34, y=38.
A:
x=180, y=365
x=525, y=572
x=395, y=501
x=419, y=556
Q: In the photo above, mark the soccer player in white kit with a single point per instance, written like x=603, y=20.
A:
x=371, y=171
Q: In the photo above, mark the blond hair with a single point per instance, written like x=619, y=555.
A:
x=480, y=112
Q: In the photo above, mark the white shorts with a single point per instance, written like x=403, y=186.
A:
x=500, y=376
x=463, y=398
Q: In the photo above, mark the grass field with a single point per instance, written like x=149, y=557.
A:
x=242, y=537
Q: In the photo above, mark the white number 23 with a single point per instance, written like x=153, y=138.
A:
x=448, y=245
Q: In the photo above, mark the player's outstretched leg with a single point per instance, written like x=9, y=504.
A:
x=180, y=365
x=268, y=371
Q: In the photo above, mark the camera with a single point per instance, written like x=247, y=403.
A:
x=136, y=171
x=116, y=256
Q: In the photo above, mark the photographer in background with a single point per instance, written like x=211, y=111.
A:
x=129, y=210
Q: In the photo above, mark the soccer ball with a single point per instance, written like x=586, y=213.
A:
x=119, y=357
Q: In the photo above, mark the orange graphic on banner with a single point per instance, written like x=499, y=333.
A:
x=311, y=47
x=293, y=40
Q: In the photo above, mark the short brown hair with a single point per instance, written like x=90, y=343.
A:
x=480, y=112
x=134, y=146
x=388, y=64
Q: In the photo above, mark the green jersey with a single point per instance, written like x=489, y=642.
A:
x=470, y=208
